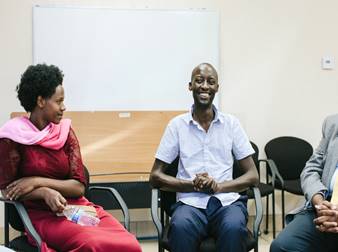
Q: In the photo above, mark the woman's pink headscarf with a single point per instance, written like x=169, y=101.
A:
x=23, y=131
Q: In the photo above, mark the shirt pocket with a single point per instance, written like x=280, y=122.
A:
x=221, y=150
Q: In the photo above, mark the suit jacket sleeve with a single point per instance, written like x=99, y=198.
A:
x=311, y=176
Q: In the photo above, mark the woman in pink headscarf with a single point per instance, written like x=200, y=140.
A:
x=41, y=166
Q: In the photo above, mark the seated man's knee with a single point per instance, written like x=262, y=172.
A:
x=184, y=235
x=276, y=246
x=185, y=219
x=234, y=227
x=181, y=225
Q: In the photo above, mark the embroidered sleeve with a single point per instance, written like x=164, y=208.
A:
x=9, y=162
x=72, y=149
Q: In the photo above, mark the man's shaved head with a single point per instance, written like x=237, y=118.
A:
x=203, y=68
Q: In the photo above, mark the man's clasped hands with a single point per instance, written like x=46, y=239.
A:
x=204, y=183
x=327, y=217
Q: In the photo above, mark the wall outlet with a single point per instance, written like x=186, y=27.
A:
x=328, y=62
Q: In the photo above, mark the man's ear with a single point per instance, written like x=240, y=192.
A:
x=190, y=86
x=40, y=102
x=217, y=87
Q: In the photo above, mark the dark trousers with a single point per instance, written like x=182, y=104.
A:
x=301, y=235
x=190, y=225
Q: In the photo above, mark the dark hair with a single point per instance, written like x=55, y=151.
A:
x=39, y=80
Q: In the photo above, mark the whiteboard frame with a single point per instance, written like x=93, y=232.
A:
x=73, y=100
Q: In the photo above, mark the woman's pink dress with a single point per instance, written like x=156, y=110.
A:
x=57, y=233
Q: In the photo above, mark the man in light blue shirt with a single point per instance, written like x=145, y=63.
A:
x=206, y=141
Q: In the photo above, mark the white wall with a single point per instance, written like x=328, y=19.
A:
x=271, y=53
x=270, y=60
x=272, y=80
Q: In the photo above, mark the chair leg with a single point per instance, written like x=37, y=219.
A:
x=267, y=215
x=273, y=216
x=283, y=209
x=160, y=249
x=6, y=227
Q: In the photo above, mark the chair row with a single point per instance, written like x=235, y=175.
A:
x=286, y=158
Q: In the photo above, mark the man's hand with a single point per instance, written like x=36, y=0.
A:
x=327, y=222
x=324, y=206
x=204, y=183
x=54, y=200
x=327, y=217
x=20, y=187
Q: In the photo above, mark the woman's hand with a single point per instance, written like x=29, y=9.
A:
x=54, y=200
x=20, y=187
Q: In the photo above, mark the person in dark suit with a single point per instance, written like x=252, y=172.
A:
x=314, y=227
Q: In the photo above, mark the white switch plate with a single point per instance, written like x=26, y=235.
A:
x=124, y=115
x=328, y=62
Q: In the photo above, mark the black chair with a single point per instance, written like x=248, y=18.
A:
x=265, y=189
x=16, y=216
x=286, y=156
x=164, y=200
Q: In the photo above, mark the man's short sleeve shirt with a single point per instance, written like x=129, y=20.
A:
x=200, y=151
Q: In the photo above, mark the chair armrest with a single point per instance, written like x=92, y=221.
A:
x=117, y=196
x=259, y=212
x=154, y=212
x=274, y=171
x=25, y=220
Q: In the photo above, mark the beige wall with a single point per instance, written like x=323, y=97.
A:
x=270, y=60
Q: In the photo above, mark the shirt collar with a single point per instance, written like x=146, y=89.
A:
x=188, y=119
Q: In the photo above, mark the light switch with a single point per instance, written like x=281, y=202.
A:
x=327, y=62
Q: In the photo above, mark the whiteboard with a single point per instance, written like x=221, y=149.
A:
x=125, y=59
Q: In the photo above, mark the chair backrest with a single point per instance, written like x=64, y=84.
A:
x=290, y=155
x=255, y=155
x=13, y=218
x=101, y=198
x=236, y=169
x=169, y=198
